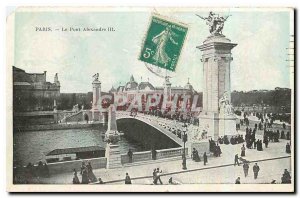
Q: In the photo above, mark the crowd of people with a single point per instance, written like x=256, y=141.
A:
x=233, y=139
x=196, y=157
x=215, y=148
x=86, y=171
x=30, y=173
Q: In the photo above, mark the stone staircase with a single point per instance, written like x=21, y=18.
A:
x=76, y=117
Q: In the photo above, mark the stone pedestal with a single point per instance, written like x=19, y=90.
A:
x=113, y=155
x=112, y=137
x=200, y=146
x=227, y=126
x=216, y=60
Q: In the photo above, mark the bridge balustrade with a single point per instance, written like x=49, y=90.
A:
x=173, y=152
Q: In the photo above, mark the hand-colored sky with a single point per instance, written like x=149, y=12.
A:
x=259, y=59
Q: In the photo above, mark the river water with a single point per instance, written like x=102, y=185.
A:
x=34, y=145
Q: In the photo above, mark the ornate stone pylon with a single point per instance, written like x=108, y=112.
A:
x=96, y=114
x=217, y=117
x=112, y=137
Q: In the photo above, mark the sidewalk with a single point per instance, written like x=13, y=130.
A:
x=218, y=169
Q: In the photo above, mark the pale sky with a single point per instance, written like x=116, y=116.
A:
x=259, y=59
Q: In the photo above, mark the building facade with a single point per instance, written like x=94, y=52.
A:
x=31, y=91
x=132, y=89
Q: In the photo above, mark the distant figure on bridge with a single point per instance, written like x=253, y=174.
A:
x=130, y=155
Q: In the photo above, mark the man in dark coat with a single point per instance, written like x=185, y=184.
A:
x=246, y=168
x=288, y=148
x=130, y=155
x=205, y=158
x=236, y=160
x=255, y=170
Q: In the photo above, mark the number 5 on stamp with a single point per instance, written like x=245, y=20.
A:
x=163, y=43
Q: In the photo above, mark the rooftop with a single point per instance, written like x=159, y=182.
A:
x=75, y=150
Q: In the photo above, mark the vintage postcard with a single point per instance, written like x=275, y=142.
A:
x=125, y=99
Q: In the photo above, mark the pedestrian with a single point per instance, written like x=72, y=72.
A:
x=219, y=150
x=154, y=154
x=127, y=179
x=255, y=170
x=288, y=148
x=91, y=175
x=75, y=177
x=158, y=174
x=286, y=177
x=130, y=155
x=266, y=141
x=288, y=136
x=243, y=149
x=100, y=181
x=85, y=177
x=154, y=176
x=236, y=160
x=195, y=156
x=238, y=180
x=82, y=167
x=204, y=158
x=246, y=168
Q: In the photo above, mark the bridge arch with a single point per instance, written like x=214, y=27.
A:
x=150, y=135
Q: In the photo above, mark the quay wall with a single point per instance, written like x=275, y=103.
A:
x=56, y=127
x=68, y=166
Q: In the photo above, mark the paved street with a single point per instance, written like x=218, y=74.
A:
x=141, y=173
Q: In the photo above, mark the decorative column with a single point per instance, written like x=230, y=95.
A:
x=167, y=91
x=96, y=106
x=217, y=118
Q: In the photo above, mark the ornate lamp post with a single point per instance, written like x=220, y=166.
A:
x=184, y=139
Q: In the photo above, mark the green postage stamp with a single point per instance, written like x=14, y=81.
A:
x=163, y=43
